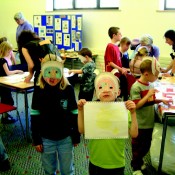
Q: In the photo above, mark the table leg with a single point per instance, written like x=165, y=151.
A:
x=162, y=143
x=27, y=116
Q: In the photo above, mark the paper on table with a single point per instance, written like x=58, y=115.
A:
x=105, y=120
x=16, y=78
x=66, y=73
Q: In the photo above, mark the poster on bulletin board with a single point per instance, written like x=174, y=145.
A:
x=65, y=31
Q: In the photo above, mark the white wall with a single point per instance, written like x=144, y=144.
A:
x=135, y=18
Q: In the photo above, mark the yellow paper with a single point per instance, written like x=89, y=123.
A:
x=105, y=120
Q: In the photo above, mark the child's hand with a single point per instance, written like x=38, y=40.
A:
x=167, y=102
x=124, y=71
x=130, y=105
x=69, y=72
x=163, y=70
x=28, y=78
x=151, y=92
x=81, y=103
x=19, y=71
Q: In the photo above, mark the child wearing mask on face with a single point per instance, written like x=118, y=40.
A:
x=143, y=94
x=5, y=93
x=107, y=155
x=87, y=79
x=54, y=120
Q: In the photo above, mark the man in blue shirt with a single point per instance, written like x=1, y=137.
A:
x=22, y=24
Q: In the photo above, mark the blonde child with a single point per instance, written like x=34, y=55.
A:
x=136, y=61
x=107, y=155
x=11, y=58
x=5, y=93
x=54, y=119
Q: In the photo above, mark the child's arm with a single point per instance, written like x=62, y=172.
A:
x=76, y=71
x=81, y=115
x=168, y=68
x=13, y=58
x=133, y=131
x=141, y=102
x=121, y=69
x=10, y=72
x=115, y=66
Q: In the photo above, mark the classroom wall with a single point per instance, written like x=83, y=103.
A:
x=134, y=18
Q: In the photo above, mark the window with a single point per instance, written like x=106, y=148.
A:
x=85, y=4
x=169, y=5
x=63, y=4
x=166, y=5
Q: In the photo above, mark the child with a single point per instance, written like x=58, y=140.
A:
x=11, y=58
x=112, y=53
x=4, y=161
x=143, y=94
x=107, y=155
x=123, y=47
x=147, y=40
x=54, y=120
x=136, y=61
x=5, y=93
x=113, y=60
x=88, y=75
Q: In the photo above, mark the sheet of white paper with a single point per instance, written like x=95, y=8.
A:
x=17, y=77
x=105, y=120
x=66, y=74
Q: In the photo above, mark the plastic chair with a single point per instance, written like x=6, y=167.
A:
x=4, y=108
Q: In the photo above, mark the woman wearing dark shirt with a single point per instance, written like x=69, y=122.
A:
x=170, y=39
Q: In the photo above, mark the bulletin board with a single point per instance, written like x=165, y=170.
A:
x=65, y=31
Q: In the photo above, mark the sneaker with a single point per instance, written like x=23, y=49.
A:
x=7, y=119
x=138, y=172
x=5, y=165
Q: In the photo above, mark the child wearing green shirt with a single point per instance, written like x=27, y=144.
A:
x=107, y=155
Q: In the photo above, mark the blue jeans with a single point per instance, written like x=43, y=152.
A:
x=57, y=151
x=3, y=154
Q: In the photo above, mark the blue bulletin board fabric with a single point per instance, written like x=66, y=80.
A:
x=65, y=31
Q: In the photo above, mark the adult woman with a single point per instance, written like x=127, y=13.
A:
x=147, y=40
x=170, y=39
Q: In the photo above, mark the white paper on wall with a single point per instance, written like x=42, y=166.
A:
x=42, y=31
x=49, y=20
x=57, y=23
x=59, y=38
x=73, y=21
x=66, y=39
x=79, y=22
x=65, y=26
x=37, y=21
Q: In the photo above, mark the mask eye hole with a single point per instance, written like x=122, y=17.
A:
x=100, y=87
x=111, y=87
